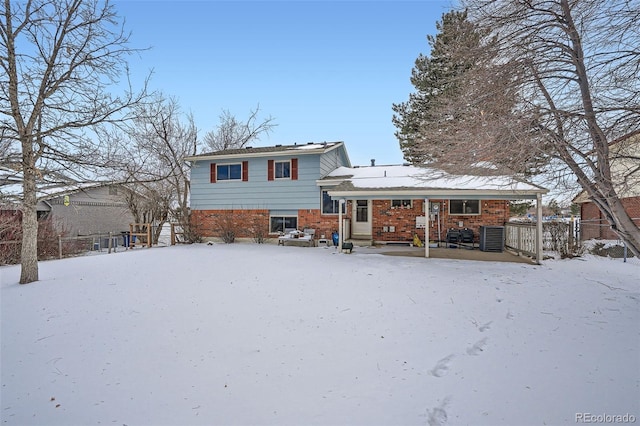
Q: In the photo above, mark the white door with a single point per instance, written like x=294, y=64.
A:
x=361, y=218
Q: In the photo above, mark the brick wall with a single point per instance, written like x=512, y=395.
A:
x=403, y=219
x=593, y=225
x=324, y=224
x=245, y=223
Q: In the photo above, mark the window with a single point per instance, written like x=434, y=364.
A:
x=362, y=211
x=113, y=190
x=229, y=172
x=280, y=223
x=330, y=206
x=464, y=207
x=282, y=169
x=237, y=171
x=400, y=204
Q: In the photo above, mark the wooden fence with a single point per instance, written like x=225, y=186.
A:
x=556, y=236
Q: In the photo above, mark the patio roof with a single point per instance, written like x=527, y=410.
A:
x=411, y=182
x=406, y=181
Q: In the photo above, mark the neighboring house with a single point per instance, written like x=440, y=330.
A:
x=625, y=171
x=76, y=209
x=302, y=186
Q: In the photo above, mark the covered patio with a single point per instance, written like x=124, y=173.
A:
x=420, y=183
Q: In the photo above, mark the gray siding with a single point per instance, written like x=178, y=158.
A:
x=331, y=161
x=257, y=192
x=91, y=211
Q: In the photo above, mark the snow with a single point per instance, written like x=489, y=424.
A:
x=401, y=176
x=268, y=335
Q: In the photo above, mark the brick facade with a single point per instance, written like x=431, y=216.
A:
x=403, y=219
x=244, y=223
x=388, y=223
x=593, y=225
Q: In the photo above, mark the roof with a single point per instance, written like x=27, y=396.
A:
x=413, y=181
x=13, y=192
x=270, y=151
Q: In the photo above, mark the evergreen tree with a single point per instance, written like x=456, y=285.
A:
x=435, y=77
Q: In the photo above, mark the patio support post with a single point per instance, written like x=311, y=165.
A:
x=427, y=213
x=341, y=203
x=539, y=229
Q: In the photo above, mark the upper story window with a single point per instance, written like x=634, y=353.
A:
x=282, y=169
x=464, y=207
x=229, y=172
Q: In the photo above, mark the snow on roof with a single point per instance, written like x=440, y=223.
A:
x=14, y=191
x=412, y=177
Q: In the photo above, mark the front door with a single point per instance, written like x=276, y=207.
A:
x=361, y=223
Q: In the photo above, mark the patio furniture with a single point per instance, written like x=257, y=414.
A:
x=453, y=238
x=306, y=237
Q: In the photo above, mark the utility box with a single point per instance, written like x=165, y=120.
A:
x=492, y=238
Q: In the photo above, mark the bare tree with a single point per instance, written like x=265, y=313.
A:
x=564, y=87
x=153, y=156
x=233, y=133
x=58, y=60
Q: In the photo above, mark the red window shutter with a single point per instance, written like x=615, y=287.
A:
x=212, y=174
x=245, y=171
x=270, y=170
x=294, y=169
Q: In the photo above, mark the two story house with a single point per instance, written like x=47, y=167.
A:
x=305, y=186
x=264, y=190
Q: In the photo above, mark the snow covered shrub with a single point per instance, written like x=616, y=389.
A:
x=258, y=227
x=560, y=239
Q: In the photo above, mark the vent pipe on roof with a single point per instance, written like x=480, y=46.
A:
x=373, y=162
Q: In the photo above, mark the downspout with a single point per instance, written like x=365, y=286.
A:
x=539, y=229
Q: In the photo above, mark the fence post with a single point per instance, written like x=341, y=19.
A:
x=109, y=244
x=149, y=235
x=173, y=235
x=60, y=246
x=571, y=230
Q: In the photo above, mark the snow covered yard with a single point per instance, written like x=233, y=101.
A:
x=260, y=334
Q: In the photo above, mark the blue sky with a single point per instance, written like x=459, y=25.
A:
x=325, y=70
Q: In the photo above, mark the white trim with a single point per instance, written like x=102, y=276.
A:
x=275, y=162
x=451, y=194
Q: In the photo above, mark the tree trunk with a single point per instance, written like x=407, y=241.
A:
x=29, y=253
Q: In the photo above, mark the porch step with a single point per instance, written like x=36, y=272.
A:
x=360, y=242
